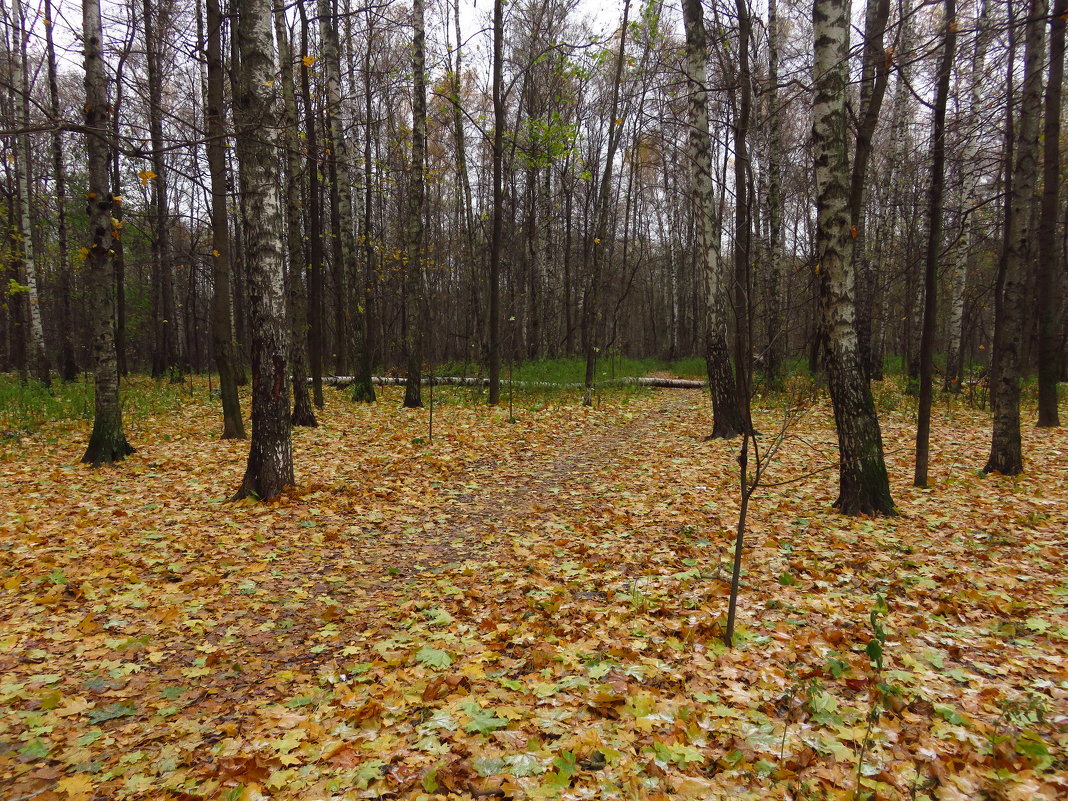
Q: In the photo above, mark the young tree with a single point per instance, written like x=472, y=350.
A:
x=1006, y=454
x=221, y=323
x=68, y=367
x=413, y=228
x=1050, y=275
x=969, y=197
x=497, y=232
x=107, y=443
x=303, y=414
x=18, y=79
x=934, y=243
x=164, y=314
x=864, y=487
x=270, y=459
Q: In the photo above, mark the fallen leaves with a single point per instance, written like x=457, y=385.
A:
x=528, y=610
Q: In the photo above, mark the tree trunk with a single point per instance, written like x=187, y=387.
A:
x=1049, y=278
x=68, y=365
x=270, y=460
x=107, y=443
x=874, y=76
x=773, y=318
x=970, y=230
x=863, y=481
x=599, y=248
x=303, y=414
x=315, y=240
x=38, y=354
x=496, y=234
x=1006, y=454
x=221, y=325
x=934, y=244
x=363, y=391
x=413, y=269
x=727, y=419
x=344, y=243
x=164, y=314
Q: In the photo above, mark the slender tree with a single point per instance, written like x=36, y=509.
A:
x=270, y=460
x=864, y=487
x=1050, y=269
x=164, y=313
x=68, y=366
x=221, y=322
x=497, y=232
x=413, y=228
x=970, y=193
x=935, y=193
x=303, y=414
x=107, y=443
x=38, y=353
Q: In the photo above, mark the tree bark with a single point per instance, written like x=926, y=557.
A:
x=270, y=460
x=1049, y=278
x=496, y=234
x=727, y=419
x=970, y=231
x=68, y=369
x=874, y=77
x=303, y=414
x=107, y=443
x=413, y=269
x=1006, y=452
x=38, y=353
x=221, y=323
x=344, y=242
x=315, y=240
x=863, y=481
x=164, y=314
x=934, y=244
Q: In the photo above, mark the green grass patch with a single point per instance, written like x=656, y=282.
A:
x=26, y=407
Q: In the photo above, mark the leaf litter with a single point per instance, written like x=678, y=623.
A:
x=529, y=610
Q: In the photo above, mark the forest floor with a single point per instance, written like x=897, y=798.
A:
x=529, y=609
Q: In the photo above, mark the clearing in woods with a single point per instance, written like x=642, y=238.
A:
x=529, y=610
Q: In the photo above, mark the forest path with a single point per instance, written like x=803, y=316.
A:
x=499, y=504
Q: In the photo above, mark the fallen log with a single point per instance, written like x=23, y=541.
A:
x=460, y=381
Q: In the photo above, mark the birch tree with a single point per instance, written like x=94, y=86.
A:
x=270, y=459
x=38, y=355
x=864, y=487
x=727, y=419
x=107, y=443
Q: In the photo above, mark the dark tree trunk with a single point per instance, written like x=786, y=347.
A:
x=315, y=240
x=1049, y=279
x=934, y=244
x=413, y=269
x=164, y=315
x=221, y=326
x=303, y=414
x=496, y=234
x=68, y=367
x=1006, y=452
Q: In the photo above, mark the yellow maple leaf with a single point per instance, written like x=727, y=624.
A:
x=308, y=60
x=146, y=176
x=77, y=787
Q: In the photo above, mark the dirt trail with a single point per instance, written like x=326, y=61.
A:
x=513, y=492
